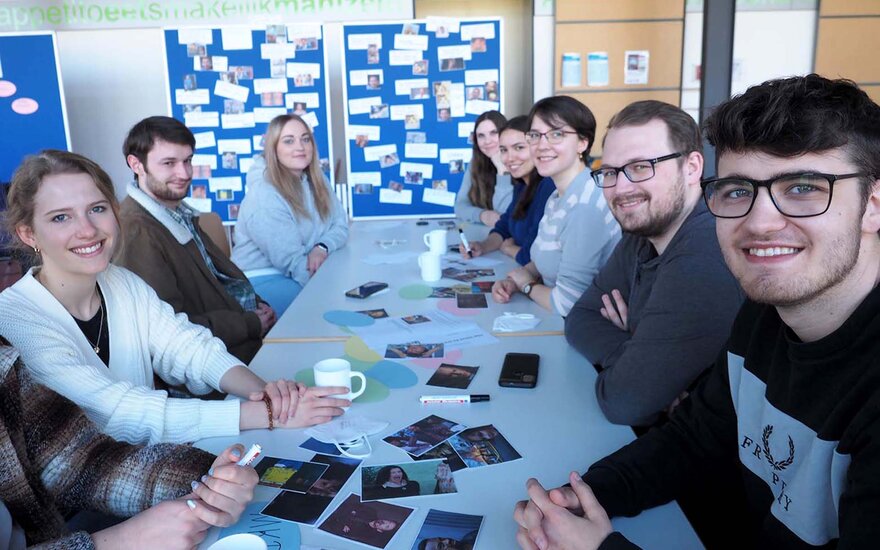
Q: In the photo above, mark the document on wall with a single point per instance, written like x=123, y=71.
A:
x=597, y=69
x=636, y=67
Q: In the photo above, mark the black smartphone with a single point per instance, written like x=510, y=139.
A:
x=520, y=370
x=366, y=289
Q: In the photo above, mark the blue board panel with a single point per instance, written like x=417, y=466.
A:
x=182, y=74
x=361, y=60
x=29, y=79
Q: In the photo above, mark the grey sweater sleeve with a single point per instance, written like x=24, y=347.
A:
x=464, y=209
x=335, y=232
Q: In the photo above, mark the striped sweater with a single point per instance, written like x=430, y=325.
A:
x=55, y=462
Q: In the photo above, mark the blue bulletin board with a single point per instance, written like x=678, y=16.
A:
x=226, y=84
x=32, y=111
x=413, y=90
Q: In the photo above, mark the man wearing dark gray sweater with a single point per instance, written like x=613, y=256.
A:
x=658, y=313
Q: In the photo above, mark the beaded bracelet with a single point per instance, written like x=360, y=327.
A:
x=268, y=403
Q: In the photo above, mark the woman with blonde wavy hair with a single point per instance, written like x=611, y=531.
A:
x=290, y=220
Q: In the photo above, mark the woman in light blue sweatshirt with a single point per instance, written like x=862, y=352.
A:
x=486, y=191
x=290, y=219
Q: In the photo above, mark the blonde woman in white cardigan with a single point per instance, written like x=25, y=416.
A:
x=97, y=333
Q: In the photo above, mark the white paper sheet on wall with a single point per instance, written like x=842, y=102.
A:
x=390, y=196
x=204, y=139
x=236, y=39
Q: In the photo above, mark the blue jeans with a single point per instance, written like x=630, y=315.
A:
x=278, y=290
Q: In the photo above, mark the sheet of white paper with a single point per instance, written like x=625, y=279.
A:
x=480, y=106
x=232, y=183
x=244, y=164
x=455, y=260
x=411, y=42
x=204, y=119
x=313, y=69
x=202, y=205
x=378, y=151
x=480, y=77
x=240, y=146
x=373, y=178
x=390, y=196
x=205, y=160
x=443, y=328
x=420, y=150
x=265, y=85
x=236, y=38
x=279, y=50
x=204, y=139
x=399, y=112
x=355, y=130
x=451, y=52
x=362, y=106
x=427, y=170
x=304, y=30
x=221, y=63
x=231, y=91
x=456, y=100
x=438, y=196
x=465, y=129
x=266, y=114
x=404, y=85
x=363, y=41
x=432, y=23
x=201, y=96
x=404, y=57
x=257, y=142
x=1, y=68
x=464, y=154
x=311, y=119
x=242, y=120
x=311, y=99
x=484, y=30
x=195, y=36
x=359, y=78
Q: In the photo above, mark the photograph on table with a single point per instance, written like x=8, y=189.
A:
x=407, y=479
x=297, y=507
x=312, y=444
x=471, y=301
x=424, y=435
x=483, y=446
x=415, y=319
x=448, y=531
x=288, y=474
x=483, y=286
x=339, y=470
x=467, y=275
x=415, y=350
x=372, y=523
x=453, y=376
x=449, y=291
x=375, y=313
x=447, y=453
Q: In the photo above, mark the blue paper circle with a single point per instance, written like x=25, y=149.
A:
x=348, y=318
x=394, y=375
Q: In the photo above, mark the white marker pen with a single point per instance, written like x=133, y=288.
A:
x=430, y=399
x=464, y=241
x=249, y=456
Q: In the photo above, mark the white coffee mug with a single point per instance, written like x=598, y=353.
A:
x=430, y=266
x=337, y=372
x=436, y=241
x=241, y=541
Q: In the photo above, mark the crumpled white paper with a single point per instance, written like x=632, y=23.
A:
x=514, y=322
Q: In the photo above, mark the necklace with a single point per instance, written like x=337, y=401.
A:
x=96, y=346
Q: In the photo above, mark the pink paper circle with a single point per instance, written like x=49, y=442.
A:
x=7, y=88
x=449, y=306
x=25, y=106
x=452, y=356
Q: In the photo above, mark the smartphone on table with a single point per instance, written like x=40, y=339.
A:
x=366, y=289
x=520, y=370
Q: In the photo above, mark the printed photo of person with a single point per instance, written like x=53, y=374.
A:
x=192, y=108
x=411, y=122
x=276, y=34
x=199, y=191
x=416, y=137
x=232, y=211
x=372, y=54
x=271, y=99
x=232, y=107
x=448, y=531
x=420, y=67
x=374, y=82
x=413, y=178
x=413, y=350
x=362, y=140
x=189, y=82
x=419, y=93
x=415, y=319
x=303, y=80
x=439, y=184
x=339, y=469
x=306, y=44
x=299, y=108
x=201, y=171
x=456, y=166
x=447, y=453
x=441, y=32
x=372, y=523
x=453, y=376
x=379, y=111
x=478, y=44
x=243, y=72
x=475, y=92
x=363, y=189
x=230, y=160
x=452, y=64
x=421, y=436
x=196, y=50
x=374, y=313
x=483, y=446
x=492, y=90
x=228, y=76
x=410, y=28
x=206, y=63
x=395, y=186
x=444, y=114
x=389, y=160
x=410, y=479
x=278, y=68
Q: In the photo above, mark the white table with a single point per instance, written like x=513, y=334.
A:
x=345, y=269
x=557, y=427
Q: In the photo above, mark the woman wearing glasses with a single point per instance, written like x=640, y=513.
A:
x=577, y=233
x=485, y=190
x=287, y=197
x=518, y=226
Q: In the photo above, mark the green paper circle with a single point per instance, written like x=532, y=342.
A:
x=376, y=391
x=415, y=292
x=357, y=364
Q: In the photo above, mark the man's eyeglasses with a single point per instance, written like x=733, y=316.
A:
x=794, y=195
x=635, y=171
x=554, y=137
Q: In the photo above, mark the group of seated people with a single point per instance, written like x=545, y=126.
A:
x=735, y=328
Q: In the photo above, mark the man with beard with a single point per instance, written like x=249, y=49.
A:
x=657, y=313
x=795, y=395
x=165, y=244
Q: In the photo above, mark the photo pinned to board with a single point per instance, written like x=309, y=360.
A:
x=422, y=436
x=407, y=479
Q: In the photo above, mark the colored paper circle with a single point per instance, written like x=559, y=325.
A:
x=415, y=292
x=449, y=306
x=25, y=106
x=376, y=391
x=348, y=318
x=306, y=376
x=394, y=375
x=357, y=364
x=355, y=347
x=7, y=88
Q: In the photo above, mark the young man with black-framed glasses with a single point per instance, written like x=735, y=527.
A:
x=657, y=313
x=795, y=395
